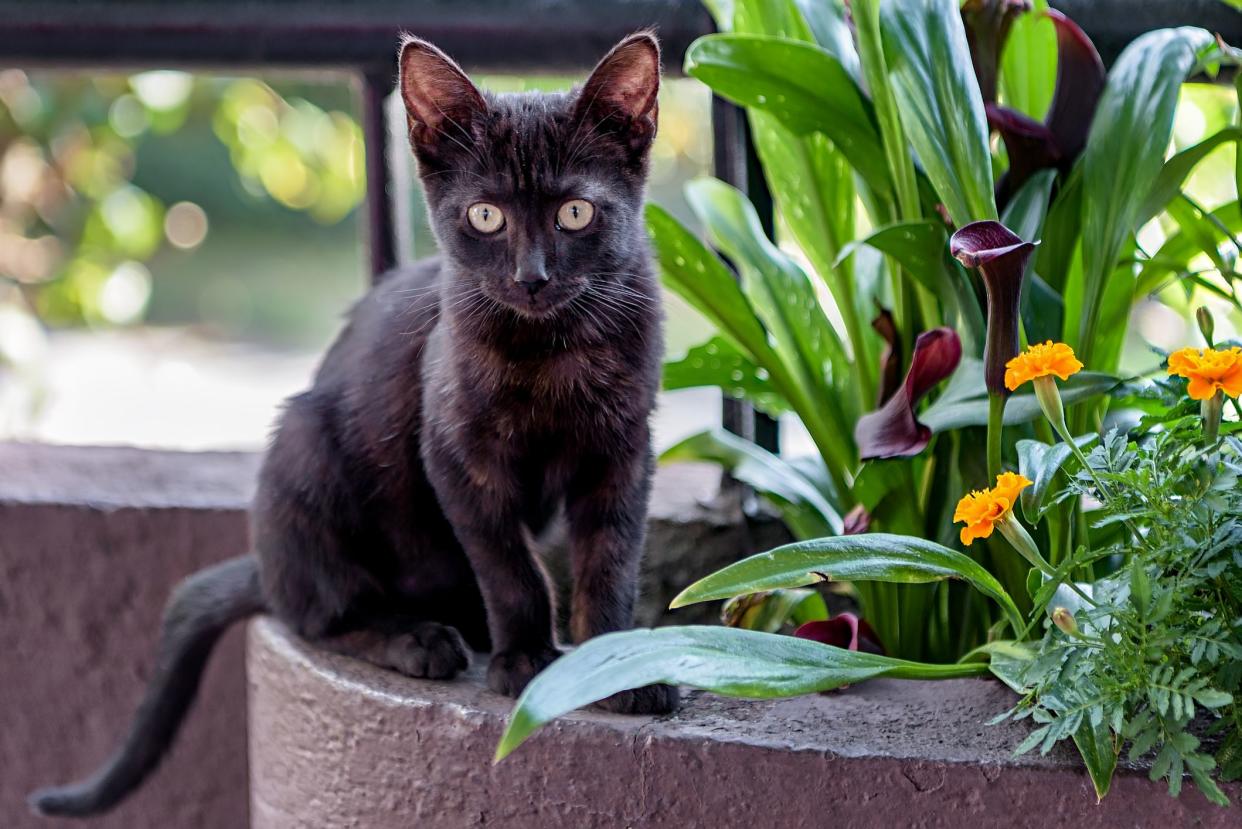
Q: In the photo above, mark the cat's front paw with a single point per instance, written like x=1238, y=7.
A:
x=429, y=651
x=510, y=671
x=652, y=699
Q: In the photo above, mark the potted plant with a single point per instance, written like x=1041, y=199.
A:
x=874, y=126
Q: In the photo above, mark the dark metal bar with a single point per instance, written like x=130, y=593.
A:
x=381, y=230
x=493, y=35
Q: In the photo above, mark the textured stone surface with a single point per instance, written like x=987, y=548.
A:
x=91, y=542
x=338, y=743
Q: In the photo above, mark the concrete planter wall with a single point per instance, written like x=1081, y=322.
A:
x=91, y=543
x=338, y=743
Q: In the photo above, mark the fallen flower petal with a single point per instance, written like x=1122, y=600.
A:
x=844, y=630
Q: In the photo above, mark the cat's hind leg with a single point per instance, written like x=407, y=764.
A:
x=424, y=649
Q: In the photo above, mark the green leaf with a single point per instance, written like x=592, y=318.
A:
x=1175, y=254
x=803, y=507
x=1124, y=156
x=872, y=557
x=1169, y=183
x=769, y=612
x=1029, y=64
x=729, y=661
x=719, y=363
x=1040, y=463
x=802, y=85
x=941, y=109
x=921, y=248
x=964, y=401
x=784, y=299
x=1095, y=745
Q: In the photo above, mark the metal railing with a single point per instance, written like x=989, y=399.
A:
x=360, y=36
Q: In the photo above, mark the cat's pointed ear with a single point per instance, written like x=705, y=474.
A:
x=621, y=93
x=440, y=101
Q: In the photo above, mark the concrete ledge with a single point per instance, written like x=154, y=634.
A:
x=334, y=742
x=92, y=540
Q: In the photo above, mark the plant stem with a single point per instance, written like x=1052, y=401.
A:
x=996, y=426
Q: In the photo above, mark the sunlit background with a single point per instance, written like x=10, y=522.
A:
x=176, y=250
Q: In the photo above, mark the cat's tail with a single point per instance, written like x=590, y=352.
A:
x=199, y=611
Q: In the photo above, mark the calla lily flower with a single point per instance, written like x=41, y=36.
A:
x=1057, y=141
x=1001, y=256
x=892, y=430
x=890, y=358
x=844, y=630
x=987, y=24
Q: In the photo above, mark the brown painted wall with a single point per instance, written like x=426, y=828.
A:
x=91, y=543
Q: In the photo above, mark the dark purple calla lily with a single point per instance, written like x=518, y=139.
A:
x=1001, y=256
x=890, y=358
x=987, y=25
x=892, y=430
x=844, y=630
x=857, y=521
x=1057, y=142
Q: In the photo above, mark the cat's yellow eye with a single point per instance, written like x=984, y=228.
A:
x=485, y=218
x=575, y=214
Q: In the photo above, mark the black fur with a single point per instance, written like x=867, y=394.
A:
x=468, y=399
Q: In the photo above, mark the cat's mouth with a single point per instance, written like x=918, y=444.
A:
x=545, y=303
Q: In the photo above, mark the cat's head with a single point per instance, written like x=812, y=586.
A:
x=534, y=197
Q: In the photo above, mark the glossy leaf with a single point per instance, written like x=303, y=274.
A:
x=719, y=363
x=940, y=104
x=783, y=298
x=1124, y=156
x=1040, y=463
x=1029, y=63
x=881, y=557
x=803, y=86
x=964, y=401
x=805, y=510
x=740, y=663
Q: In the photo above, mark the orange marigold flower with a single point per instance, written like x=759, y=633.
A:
x=981, y=510
x=1208, y=370
x=1041, y=360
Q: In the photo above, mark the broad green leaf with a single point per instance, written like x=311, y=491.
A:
x=1124, y=156
x=827, y=22
x=1169, y=183
x=729, y=661
x=1025, y=213
x=921, y=248
x=1029, y=63
x=1061, y=232
x=813, y=189
x=803, y=507
x=802, y=85
x=964, y=401
x=769, y=612
x=1099, y=754
x=784, y=299
x=942, y=114
x=699, y=277
x=1040, y=463
x=881, y=557
x=718, y=363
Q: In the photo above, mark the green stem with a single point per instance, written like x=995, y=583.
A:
x=996, y=427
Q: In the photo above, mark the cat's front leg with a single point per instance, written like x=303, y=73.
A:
x=481, y=500
x=606, y=507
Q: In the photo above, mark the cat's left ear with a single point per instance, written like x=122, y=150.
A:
x=620, y=96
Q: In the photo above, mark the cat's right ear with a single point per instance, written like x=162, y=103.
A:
x=440, y=101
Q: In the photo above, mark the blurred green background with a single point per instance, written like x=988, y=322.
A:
x=176, y=249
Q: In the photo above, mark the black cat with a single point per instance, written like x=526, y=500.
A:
x=467, y=400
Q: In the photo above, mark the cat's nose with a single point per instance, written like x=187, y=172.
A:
x=531, y=273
